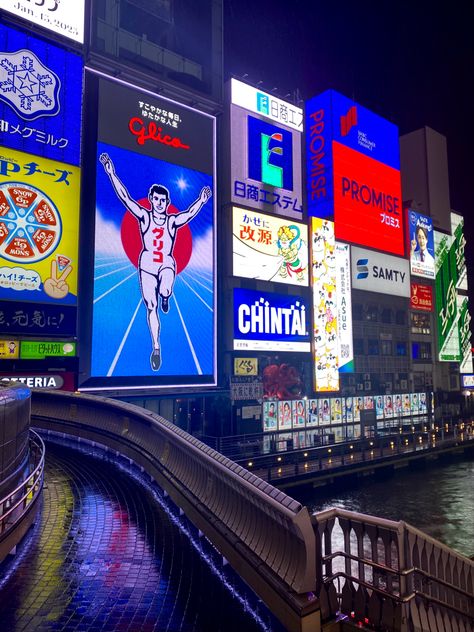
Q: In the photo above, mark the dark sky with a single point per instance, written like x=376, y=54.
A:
x=407, y=61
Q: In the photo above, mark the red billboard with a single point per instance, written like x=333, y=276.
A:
x=421, y=297
x=367, y=201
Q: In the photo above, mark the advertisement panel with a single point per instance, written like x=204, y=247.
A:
x=344, y=309
x=154, y=266
x=64, y=381
x=464, y=325
x=267, y=105
x=40, y=96
x=39, y=228
x=37, y=320
x=421, y=245
x=467, y=381
x=40, y=349
x=270, y=322
x=312, y=414
x=446, y=298
x=270, y=419
x=421, y=297
x=325, y=316
x=284, y=416
x=9, y=349
x=353, y=172
x=377, y=272
x=60, y=17
x=269, y=248
x=388, y=406
x=299, y=413
x=265, y=164
x=245, y=366
x=457, y=231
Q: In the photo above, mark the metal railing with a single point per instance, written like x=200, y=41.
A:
x=390, y=576
x=18, y=502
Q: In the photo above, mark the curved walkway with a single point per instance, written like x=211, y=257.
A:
x=105, y=556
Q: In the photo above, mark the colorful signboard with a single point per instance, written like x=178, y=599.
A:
x=467, y=381
x=421, y=245
x=377, y=272
x=265, y=154
x=269, y=248
x=9, y=349
x=245, y=366
x=39, y=227
x=40, y=96
x=154, y=267
x=270, y=416
x=457, y=232
x=65, y=381
x=37, y=320
x=40, y=349
x=421, y=297
x=464, y=326
x=265, y=321
x=325, y=307
x=446, y=298
x=353, y=172
x=62, y=17
x=344, y=309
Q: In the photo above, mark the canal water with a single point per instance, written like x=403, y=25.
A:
x=436, y=498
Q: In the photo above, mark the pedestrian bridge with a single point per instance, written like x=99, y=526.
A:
x=332, y=570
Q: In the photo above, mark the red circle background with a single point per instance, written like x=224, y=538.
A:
x=132, y=240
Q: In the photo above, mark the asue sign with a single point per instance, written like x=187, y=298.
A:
x=377, y=272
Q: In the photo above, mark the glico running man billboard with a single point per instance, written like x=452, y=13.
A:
x=353, y=172
x=265, y=152
x=154, y=273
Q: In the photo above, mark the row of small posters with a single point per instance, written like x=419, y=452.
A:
x=307, y=413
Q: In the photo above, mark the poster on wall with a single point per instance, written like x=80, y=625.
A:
x=344, y=308
x=358, y=407
x=270, y=416
x=298, y=413
x=388, y=406
x=379, y=407
x=269, y=248
x=284, y=415
x=324, y=411
x=406, y=404
x=349, y=409
x=39, y=229
x=312, y=413
x=154, y=265
x=421, y=246
x=40, y=95
x=336, y=410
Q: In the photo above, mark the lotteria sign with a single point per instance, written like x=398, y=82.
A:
x=270, y=322
x=353, y=172
x=376, y=272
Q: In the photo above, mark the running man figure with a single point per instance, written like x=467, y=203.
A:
x=156, y=265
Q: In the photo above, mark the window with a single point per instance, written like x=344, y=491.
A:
x=386, y=315
x=420, y=323
x=359, y=346
x=401, y=349
x=371, y=313
x=386, y=347
x=400, y=317
x=373, y=347
x=357, y=311
x=421, y=350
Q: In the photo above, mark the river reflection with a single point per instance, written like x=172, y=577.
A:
x=438, y=499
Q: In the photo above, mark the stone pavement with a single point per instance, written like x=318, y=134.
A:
x=105, y=556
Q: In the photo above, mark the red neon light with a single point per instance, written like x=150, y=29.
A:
x=151, y=131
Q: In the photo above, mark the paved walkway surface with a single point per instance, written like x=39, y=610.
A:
x=105, y=556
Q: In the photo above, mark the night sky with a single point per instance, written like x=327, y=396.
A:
x=408, y=62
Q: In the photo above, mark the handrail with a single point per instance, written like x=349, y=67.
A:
x=271, y=525
x=28, y=490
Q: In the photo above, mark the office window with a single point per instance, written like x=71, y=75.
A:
x=372, y=313
x=401, y=349
x=386, y=315
x=359, y=346
x=357, y=311
x=400, y=317
x=420, y=323
x=373, y=347
x=386, y=347
x=421, y=350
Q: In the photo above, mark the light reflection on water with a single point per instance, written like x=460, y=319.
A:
x=438, y=499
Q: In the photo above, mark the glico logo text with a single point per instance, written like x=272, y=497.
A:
x=270, y=154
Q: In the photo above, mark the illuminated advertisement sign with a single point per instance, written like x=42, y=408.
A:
x=153, y=318
x=64, y=381
x=63, y=17
x=421, y=297
x=40, y=97
x=446, y=298
x=325, y=308
x=40, y=349
x=266, y=321
x=37, y=320
x=39, y=223
x=266, y=105
x=344, y=308
x=457, y=228
x=421, y=237
x=270, y=416
x=265, y=164
x=9, y=349
x=464, y=326
x=269, y=248
x=245, y=366
x=377, y=272
x=353, y=172
x=467, y=381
